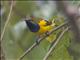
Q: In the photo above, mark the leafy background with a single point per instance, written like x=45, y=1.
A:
x=18, y=38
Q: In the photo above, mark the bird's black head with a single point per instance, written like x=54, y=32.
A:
x=33, y=27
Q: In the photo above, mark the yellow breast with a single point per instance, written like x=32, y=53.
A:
x=44, y=29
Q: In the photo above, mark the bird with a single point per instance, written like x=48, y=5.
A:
x=40, y=28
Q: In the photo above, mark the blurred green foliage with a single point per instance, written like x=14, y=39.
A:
x=14, y=46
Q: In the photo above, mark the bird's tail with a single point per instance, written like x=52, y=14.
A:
x=52, y=37
x=53, y=23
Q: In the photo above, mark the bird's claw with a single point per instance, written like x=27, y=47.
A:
x=47, y=33
x=37, y=42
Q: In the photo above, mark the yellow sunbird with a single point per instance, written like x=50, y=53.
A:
x=40, y=28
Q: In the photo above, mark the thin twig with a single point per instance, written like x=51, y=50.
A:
x=6, y=23
x=72, y=14
x=54, y=45
x=40, y=39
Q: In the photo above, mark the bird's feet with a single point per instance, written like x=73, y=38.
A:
x=37, y=42
x=47, y=34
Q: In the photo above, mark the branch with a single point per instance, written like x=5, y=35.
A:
x=40, y=39
x=54, y=45
x=72, y=13
x=6, y=23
